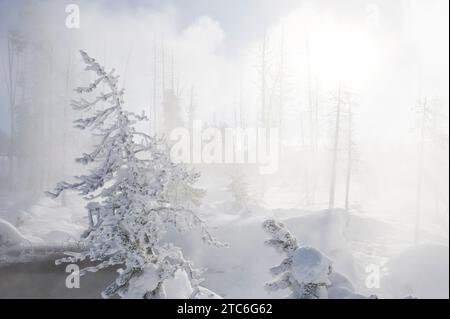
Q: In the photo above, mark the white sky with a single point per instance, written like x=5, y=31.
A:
x=390, y=52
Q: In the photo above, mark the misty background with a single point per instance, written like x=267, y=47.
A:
x=379, y=66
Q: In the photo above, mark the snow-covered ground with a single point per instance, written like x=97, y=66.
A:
x=353, y=241
x=241, y=270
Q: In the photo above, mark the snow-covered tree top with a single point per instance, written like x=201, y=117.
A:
x=305, y=271
x=130, y=189
x=281, y=239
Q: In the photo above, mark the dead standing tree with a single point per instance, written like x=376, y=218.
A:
x=336, y=137
x=11, y=73
x=351, y=146
x=424, y=115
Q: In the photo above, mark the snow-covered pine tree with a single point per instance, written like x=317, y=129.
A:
x=238, y=189
x=305, y=271
x=186, y=193
x=129, y=187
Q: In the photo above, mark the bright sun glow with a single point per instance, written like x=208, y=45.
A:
x=257, y=149
x=337, y=52
x=342, y=54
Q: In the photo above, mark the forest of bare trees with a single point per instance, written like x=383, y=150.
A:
x=362, y=126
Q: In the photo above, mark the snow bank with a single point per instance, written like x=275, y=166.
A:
x=326, y=230
x=204, y=293
x=351, y=241
x=138, y=286
x=177, y=287
x=10, y=235
x=53, y=222
x=310, y=265
x=420, y=271
x=241, y=270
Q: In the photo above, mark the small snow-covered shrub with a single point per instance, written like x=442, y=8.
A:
x=238, y=189
x=306, y=272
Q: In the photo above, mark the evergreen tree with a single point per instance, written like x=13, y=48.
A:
x=239, y=191
x=129, y=189
x=305, y=271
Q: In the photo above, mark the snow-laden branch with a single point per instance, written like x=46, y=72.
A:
x=304, y=271
x=137, y=198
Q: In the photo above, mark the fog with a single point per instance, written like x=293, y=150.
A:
x=380, y=67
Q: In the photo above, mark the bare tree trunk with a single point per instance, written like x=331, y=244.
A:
x=310, y=99
x=263, y=80
x=312, y=153
x=264, y=117
x=235, y=109
x=172, y=74
x=335, y=150
x=11, y=86
x=420, y=171
x=215, y=119
x=349, y=155
x=49, y=126
x=191, y=109
x=241, y=110
x=304, y=169
x=41, y=111
x=155, y=80
x=64, y=135
x=163, y=75
x=127, y=63
x=281, y=97
x=316, y=118
x=153, y=111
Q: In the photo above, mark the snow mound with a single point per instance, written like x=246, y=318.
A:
x=10, y=236
x=138, y=286
x=420, y=271
x=204, y=293
x=178, y=287
x=53, y=222
x=326, y=230
x=310, y=266
x=306, y=271
x=342, y=288
x=339, y=280
x=343, y=293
